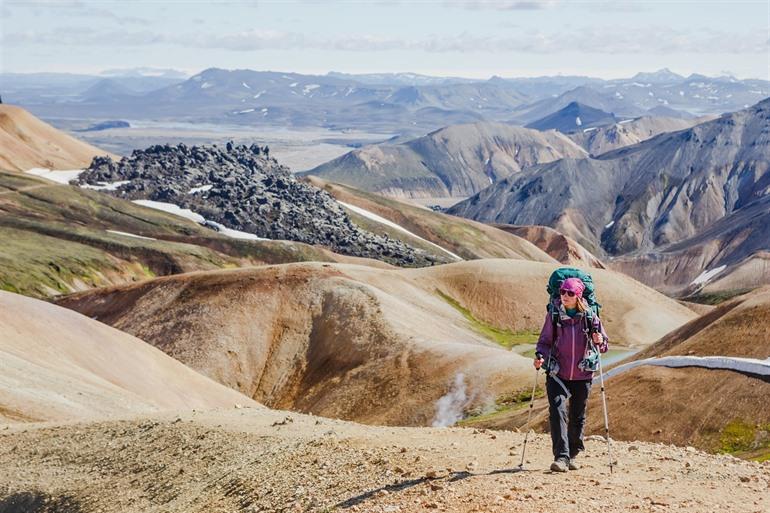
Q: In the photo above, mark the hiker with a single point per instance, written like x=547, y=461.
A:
x=567, y=348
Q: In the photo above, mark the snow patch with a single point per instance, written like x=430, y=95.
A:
x=259, y=94
x=245, y=85
x=192, y=216
x=106, y=186
x=744, y=365
x=294, y=84
x=586, y=130
x=578, y=121
x=309, y=88
x=131, y=235
x=233, y=234
x=246, y=111
x=206, y=85
x=374, y=217
x=202, y=188
x=705, y=276
x=609, y=225
x=64, y=176
x=172, y=209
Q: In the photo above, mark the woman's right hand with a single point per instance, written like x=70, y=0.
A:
x=538, y=362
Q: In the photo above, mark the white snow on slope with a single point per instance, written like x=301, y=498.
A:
x=578, y=121
x=131, y=235
x=55, y=176
x=386, y=222
x=192, y=216
x=172, y=209
x=206, y=85
x=245, y=85
x=309, y=88
x=609, y=225
x=705, y=276
x=105, y=186
x=202, y=188
x=259, y=94
x=744, y=365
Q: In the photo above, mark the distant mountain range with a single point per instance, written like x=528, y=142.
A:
x=397, y=103
x=458, y=160
x=660, y=195
x=461, y=160
x=575, y=117
x=601, y=139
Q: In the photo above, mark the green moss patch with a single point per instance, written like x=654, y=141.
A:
x=504, y=337
x=715, y=298
x=505, y=403
x=745, y=440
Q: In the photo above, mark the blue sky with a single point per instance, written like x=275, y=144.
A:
x=607, y=39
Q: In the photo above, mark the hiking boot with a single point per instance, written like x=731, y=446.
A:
x=559, y=465
x=573, y=465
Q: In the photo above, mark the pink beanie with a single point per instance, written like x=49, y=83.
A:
x=575, y=285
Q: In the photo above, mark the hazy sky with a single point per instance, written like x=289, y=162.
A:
x=608, y=39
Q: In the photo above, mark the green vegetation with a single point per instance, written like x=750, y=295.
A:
x=503, y=404
x=504, y=337
x=745, y=440
x=715, y=298
x=56, y=240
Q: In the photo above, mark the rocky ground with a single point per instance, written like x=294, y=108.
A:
x=254, y=459
x=245, y=189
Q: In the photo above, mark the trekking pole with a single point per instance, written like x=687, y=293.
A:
x=529, y=416
x=606, y=420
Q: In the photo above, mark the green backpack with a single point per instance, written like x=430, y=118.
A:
x=589, y=294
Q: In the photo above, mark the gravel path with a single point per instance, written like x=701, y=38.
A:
x=254, y=459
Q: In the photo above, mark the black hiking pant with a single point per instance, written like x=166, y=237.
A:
x=567, y=418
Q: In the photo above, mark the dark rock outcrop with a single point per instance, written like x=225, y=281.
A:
x=245, y=189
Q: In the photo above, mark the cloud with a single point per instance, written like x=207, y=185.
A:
x=613, y=40
x=505, y=5
x=79, y=9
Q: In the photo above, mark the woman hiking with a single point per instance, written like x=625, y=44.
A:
x=567, y=345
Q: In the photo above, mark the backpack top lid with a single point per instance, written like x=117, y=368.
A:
x=561, y=274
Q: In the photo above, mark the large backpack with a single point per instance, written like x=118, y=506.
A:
x=589, y=294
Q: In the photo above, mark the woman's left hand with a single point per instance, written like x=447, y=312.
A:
x=598, y=339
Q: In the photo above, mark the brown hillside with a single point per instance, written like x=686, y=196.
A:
x=559, y=246
x=60, y=365
x=354, y=342
x=27, y=142
x=700, y=407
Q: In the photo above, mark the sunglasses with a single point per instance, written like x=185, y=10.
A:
x=567, y=293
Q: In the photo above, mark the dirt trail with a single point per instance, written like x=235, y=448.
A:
x=254, y=460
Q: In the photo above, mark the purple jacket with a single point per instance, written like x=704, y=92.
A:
x=571, y=343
